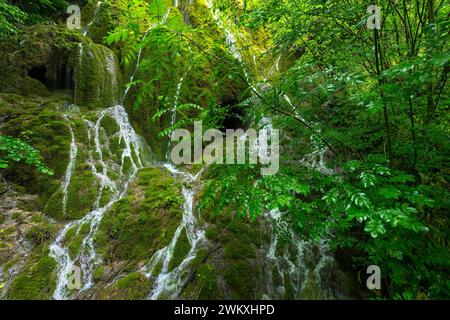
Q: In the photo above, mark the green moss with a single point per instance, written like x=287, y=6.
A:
x=144, y=221
x=85, y=228
x=36, y=282
x=115, y=147
x=39, y=234
x=16, y=216
x=35, y=124
x=98, y=273
x=109, y=125
x=54, y=205
x=239, y=277
x=95, y=86
x=75, y=245
x=127, y=166
x=207, y=283
x=162, y=190
x=82, y=192
x=235, y=250
x=102, y=23
x=181, y=250
x=133, y=286
x=158, y=268
x=71, y=233
x=2, y=218
x=41, y=44
x=212, y=233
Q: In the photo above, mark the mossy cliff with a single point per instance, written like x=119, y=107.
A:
x=196, y=68
x=145, y=221
x=230, y=267
x=136, y=227
x=26, y=271
x=55, y=81
x=52, y=57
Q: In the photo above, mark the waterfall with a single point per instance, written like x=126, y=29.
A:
x=277, y=64
x=94, y=18
x=170, y=283
x=70, y=167
x=133, y=152
x=288, y=261
x=96, y=76
x=295, y=262
x=87, y=258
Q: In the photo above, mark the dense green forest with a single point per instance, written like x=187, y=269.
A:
x=93, y=92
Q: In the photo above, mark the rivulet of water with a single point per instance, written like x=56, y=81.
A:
x=94, y=18
x=70, y=167
x=169, y=283
x=132, y=149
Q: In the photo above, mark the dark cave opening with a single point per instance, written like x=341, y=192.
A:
x=60, y=77
x=39, y=73
x=55, y=77
x=234, y=118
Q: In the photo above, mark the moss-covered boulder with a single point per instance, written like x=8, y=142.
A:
x=142, y=222
x=230, y=268
x=98, y=79
x=36, y=281
x=133, y=286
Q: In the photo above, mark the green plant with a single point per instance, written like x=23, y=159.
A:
x=16, y=150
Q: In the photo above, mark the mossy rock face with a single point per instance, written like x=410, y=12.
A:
x=48, y=49
x=36, y=121
x=37, y=281
x=182, y=248
x=39, y=122
x=133, y=286
x=41, y=234
x=61, y=59
x=82, y=192
x=142, y=222
x=235, y=249
x=97, y=76
x=97, y=20
x=206, y=83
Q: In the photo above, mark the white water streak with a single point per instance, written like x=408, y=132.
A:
x=286, y=260
x=170, y=283
x=87, y=258
x=94, y=18
x=70, y=167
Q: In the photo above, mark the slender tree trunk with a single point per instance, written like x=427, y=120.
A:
x=380, y=83
x=413, y=133
x=430, y=84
